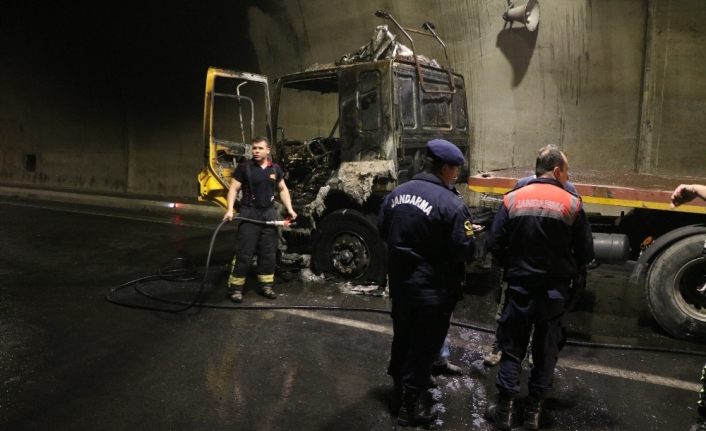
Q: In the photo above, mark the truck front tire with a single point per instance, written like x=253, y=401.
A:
x=346, y=245
x=671, y=287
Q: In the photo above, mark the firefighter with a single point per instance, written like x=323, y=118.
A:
x=258, y=179
x=541, y=236
x=683, y=194
x=429, y=235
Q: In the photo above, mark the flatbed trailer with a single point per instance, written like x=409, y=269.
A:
x=667, y=245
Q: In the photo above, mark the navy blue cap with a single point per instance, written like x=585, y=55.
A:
x=446, y=152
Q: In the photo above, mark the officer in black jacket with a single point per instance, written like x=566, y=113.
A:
x=429, y=235
x=540, y=235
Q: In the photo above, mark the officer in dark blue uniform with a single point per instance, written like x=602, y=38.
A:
x=429, y=235
x=493, y=358
x=540, y=235
x=258, y=178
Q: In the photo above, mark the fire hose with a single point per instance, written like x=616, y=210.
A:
x=191, y=274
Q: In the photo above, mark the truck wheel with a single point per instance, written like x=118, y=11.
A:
x=346, y=245
x=671, y=286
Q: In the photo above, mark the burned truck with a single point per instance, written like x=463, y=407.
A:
x=345, y=134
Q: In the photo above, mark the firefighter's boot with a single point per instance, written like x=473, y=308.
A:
x=268, y=293
x=236, y=296
x=533, y=410
x=501, y=413
x=266, y=281
x=414, y=411
x=235, y=284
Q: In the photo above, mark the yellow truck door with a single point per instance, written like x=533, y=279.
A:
x=236, y=105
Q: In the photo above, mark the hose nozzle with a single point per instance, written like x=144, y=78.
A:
x=286, y=222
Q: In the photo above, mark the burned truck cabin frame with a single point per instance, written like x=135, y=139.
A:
x=363, y=112
x=345, y=137
x=305, y=126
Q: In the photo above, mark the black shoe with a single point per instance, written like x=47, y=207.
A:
x=533, y=410
x=236, y=297
x=501, y=413
x=268, y=293
x=447, y=369
x=432, y=382
x=414, y=412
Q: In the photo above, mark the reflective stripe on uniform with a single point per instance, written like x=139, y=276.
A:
x=266, y=278
x=234, y=281
x=539, y=200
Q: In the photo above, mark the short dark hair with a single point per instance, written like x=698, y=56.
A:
x=546, y=148
x=433, y=165
x=548, y=158
x=257, y=139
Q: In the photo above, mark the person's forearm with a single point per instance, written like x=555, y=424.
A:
x=232, y=194
x=686, y=193
x=699, y=190
x=286, y=200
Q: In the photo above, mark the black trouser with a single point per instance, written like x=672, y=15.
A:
x=420, y=321
x=252, y=237
x=520, y=313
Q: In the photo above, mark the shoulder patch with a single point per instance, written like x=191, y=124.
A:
x=468, y=226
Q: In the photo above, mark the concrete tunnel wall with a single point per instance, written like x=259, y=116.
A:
x=109, y=97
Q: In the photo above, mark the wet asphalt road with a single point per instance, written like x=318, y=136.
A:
x=71, y=360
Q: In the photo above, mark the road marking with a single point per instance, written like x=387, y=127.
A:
x=567, y=363
x=340, y=321
x=630, y=375
x=109, y=214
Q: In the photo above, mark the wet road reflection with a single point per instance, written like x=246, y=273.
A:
x=69, y=359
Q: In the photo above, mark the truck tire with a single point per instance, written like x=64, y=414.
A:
x=671, y=285
x=346, y=245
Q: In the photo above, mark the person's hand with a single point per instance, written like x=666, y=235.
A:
x=684, y=193
x=580, y=280
x=228, y=216
x=293, y=214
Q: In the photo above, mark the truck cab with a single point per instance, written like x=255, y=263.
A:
x=345, y=135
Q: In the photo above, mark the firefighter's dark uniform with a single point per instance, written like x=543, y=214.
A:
x=541, y=235
x=429, y=236
x=258, y=186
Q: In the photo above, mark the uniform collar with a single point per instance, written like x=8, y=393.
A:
x=425, y=176
x=269, y=163
x=545, y=180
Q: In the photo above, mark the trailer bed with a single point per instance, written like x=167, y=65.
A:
x=624, y=189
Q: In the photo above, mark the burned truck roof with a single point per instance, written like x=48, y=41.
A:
x=382, y=46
